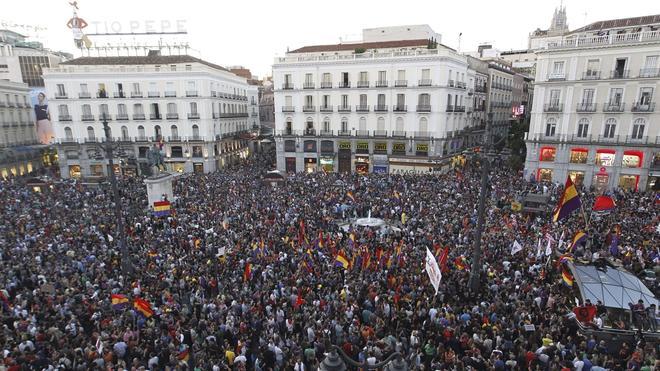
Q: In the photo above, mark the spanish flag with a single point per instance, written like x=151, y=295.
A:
x=459, y=262
x=569, y=202
x=349, y=194
x=580, y=237
x=567, y=277
x=341, y=260
x=143, y=307
x=247, y=272
x=119, y=301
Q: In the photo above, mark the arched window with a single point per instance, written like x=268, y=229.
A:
x=380, y=124
x=638, y=128
x=309, y=126
x=90, y=133
x=398, y=127
x=175, y=131
x=423, y=125
x=289, y=126
x=124, y=132
x=363, y=124
x=344, y=125
x=583, y=128
x=610, y=128
x=141, y=134
x=326, y=124
x=68, y=134
x=424, y=100
x=157, y=132
x=550, y=127
x=195, y=131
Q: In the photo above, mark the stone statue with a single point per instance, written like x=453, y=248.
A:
x=155, y=158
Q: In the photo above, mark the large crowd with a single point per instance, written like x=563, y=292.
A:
x=243, y=275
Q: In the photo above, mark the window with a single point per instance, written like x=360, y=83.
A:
x=141, y=132
x=287, y=79
x=83, y=88
x=554, y=97
x=645, y=96
x=345, y=78
x=650, y=64
x=90, y=133
x=124, y=132
x=188, y=67
x=86, y=110
x=401, y=75
x=136, y=88
x=610, y=128
x=193, y=108
x=344, y=100
x=423, y=125
x=550, y=127
x=326, y=101
x=158, y=133
x=364, y=76
x=195, y=131
x=400, y=101
x=175, y=131
x=592, y=68
x=171, y=108
x=587, y=97
x=381, y=100
x=616, y=96
x=578, y=156
x=103, y=111
x=288, y=101
x=363, y=100
x=362, y=126
x=68, y=134
x=138, y=109
x=424, y=100
x=638, y=128
x=326, y=124
x=548, y=154
x=327, y=78
x=577, y=177
x=309, y=101
x=583, y=128
x=60, y=91
x=380, y=124
x=173, y=67
x=309, y=80
x=398, y=125
x=344, y=124
x=121, y=109
x=620, y=68
x=632, y=158
x=426, y=74
x=382, y=76
x=63, y=110
x=605, y=157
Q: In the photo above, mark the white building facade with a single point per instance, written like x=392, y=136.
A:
x=17, y=130
x=594, y=116
x=195, y=111
x=383, y=106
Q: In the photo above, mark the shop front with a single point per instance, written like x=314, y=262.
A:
x=178, y=166
x=628, y=182
x=413, y=165
x=198, y=167
x=421, y=149
x=310, y=164
x=577, y=177
x=362, y=164
x=380, y=164
x=654, y=181
x=327, y=159
x=344, y=157
x=290, y=164
x=601, y=180
x=74, y=171
x=544, y=175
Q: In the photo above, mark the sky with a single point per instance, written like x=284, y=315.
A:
x=253, y=33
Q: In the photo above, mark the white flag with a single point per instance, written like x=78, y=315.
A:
x=548, y=248
x=561, y=241
x=433, y=270
x=221, y=251
x=99, y=345
x=516, y=247
x=538, y=248
x=110, y=239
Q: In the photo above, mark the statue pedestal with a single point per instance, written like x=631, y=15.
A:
x=159, y=185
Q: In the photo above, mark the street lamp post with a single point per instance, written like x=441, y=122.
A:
x=475, y=270
x=126, y=265
x=334, y=361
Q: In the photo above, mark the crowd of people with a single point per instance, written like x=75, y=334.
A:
x=244, y=276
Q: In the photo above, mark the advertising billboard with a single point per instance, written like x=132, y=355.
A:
x=43, y=123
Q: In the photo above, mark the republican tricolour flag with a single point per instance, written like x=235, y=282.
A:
x=162, y=208
x=349, y=194
x=341, y=260
x=247, y=272
x=119, y=301
x=566, y=276
x=579, y=237
x=569, y=202
x=143, y=307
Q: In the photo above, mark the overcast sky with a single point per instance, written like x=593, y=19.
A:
x=252, y=33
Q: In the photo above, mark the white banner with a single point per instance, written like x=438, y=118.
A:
x=516, y=247
x=433, y=270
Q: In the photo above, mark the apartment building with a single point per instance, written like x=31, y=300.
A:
x=197, y=112
x=391, y=103
x=594, y=115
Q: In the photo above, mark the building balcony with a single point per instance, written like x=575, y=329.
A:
x=3, y=104
x=326, y=109
x=381, y=84
x=591, y=75
x=308, y=85
x=363, y=84
x=649, y=72
x=585, y=107
x=461, y=85
x=422, y=135
x=326, y=85
x=380, y=133
x=191, y=93
x=398, y=134
x=174, y=138
x=459, y=109
x=155, y=116
x=254, y=114
x=450, y=108
x=142, y=139
x=620, y=74
x=400, y=83
x=361, y=108
x=380, y=108
x=553, y=107
x=61, y=96
x=287, y=86
x=214, y=94
x=215, y=115
x=480, y=88
x=139, y=116
x=309, y=108
x=425, y=82
x=344, y=109
x=309, y=132
x=344, y=84
x=556, y=77
x=344, y=133
x=362, y=133
x=84, y=95
x=87, y=118
x=153, y=94
x=614, y=107
x=172, y=116
x=608, y=138
x=92, y=140
x=121, y=117
x=325, y=133
x=136, y=94
x=65, y=117
x=643, y=107
x=637, y=140
x=288, y=109
x=400, y=108
x=170, y=94
x=119, y=94
x=102, y=94
x=450, y=83
x=423, y=108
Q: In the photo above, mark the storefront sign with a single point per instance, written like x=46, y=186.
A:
x=327, y=146
x=399, y=148
x=289, y=146
x=362, y=147
x=380, y=169
x=344, y=145
x=310, y=146
x=422, y=149
x=380, y=147
x=362, y=159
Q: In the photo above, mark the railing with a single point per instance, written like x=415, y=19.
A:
x=288, y=109
x=191, y=93
x=3, y=104
x=215, y=115
x=557, y=77
x=450, y=108
x=153, y=94
x=214, y=94
x=87, y=118
x=344, y=109
x=92, y=140
x=459, y=109
x=142, y=139
x=423, y=108
x=344, y=84
x=170, y=94
x=619, y=74
x=585, y=107
x=138, y=116
x=398, y=134
x=361, y=108
x=608, y=138
x=582, y=41
x=309, y=132
x=344, y=133
x=425, y=82
x=326, y=85
x=121, y=117
x=119, y=94
x=422, y=135
x=287, y=86
x=65, y=117
x=400, y=108
x=154, y=116
x=381, y=84
x=614, y=107
x=84, y=95
x=380, y=108
x=172, y=116
x=450, y=83
x=460, y=84
x=639, y=107
x=102, y=94
x=480, y=88
x=136, y=94
x=553, y=107
x=400, y=83
x=326, y=109
x=380, y=133
x=309, y=108
x=362, y=133
x=196, y=138
x=363, y=84
x=174, y=138
x=591, y=75
x=60, y=96
x=308, y=85
x=325, y=133
x=649, y=72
